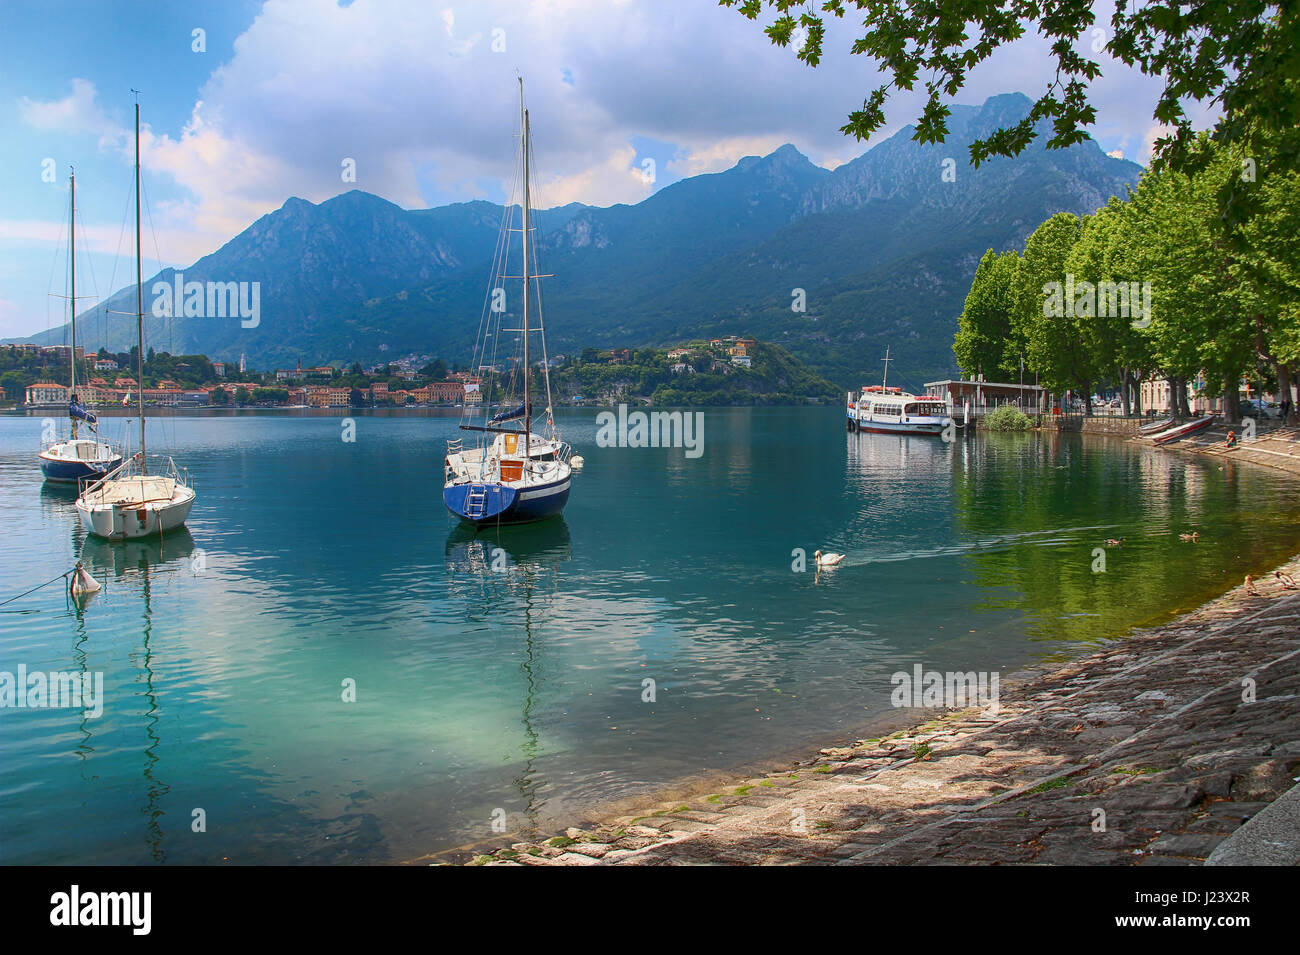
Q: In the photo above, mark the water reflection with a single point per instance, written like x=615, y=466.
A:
x=513, y=572
x=140, y=563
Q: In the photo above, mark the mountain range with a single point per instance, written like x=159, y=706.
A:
x=882, y=247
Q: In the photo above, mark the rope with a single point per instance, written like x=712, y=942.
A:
x=61, y=576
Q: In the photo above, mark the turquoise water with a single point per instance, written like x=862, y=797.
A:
x=504, y=672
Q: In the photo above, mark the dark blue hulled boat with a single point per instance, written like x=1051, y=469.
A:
x=497, y=502
x=511, y=476
x=76, y=458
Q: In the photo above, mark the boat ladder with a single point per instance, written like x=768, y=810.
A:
x=476, y=501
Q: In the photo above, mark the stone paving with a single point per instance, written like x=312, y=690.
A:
x=1148, y=752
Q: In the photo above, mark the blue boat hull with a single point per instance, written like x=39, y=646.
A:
x=70, y=472
x=502, y=504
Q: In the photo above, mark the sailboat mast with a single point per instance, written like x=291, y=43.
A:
x=139, y=294
x=528, y=411
x=72, y=269
x=885, y=381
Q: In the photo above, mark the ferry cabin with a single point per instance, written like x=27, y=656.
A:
x=882, y=410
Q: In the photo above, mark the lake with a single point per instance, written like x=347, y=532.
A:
x=502, y=675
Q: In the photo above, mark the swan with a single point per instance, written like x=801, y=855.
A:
x=827, y=560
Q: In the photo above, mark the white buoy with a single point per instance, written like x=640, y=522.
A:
x=576, y=462
x=83, y=583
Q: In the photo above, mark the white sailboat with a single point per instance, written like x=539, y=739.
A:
x=76, y=458
x=130, y=501
x=513, y=475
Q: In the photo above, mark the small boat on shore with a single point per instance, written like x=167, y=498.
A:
x=879, y=409
x=1183, y=430
x=1155, y=427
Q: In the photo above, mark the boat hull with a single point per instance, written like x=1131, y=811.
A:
x=125, y=522
x=891, y=427
x=1182, y=431
x=70, y=472
x=503, y=504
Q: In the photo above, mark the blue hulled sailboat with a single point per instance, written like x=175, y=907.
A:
x=512, y=474
x=78, y=457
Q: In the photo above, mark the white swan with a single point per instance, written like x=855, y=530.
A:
x=827, y=560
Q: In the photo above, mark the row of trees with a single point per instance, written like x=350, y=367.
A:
x=1164, y=284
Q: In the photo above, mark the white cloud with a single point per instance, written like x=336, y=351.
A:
x=415, y=95
x=78, y=112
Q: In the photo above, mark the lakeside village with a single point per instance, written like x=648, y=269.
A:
x=720, y=371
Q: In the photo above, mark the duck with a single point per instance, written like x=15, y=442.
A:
x=1249, y=583
x=1193, y=536
x=1286, y=579
x=827, y=560
x=1113, y=542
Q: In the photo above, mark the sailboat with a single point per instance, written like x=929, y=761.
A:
x=78, y=457
x=512, y=475
x=131, y=502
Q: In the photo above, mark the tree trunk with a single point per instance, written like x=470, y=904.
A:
x=1125, y=405
x=1087, y=399
x=1283, y=387
x=1180, y=393
x=1231, y=399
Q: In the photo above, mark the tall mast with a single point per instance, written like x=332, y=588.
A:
x=528, y=411
x=885, y=381
x=72, y=254
x=139, y=294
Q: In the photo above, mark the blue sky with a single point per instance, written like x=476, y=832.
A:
x=421, y=95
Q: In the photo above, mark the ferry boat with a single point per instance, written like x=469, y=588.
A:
x=880, y=409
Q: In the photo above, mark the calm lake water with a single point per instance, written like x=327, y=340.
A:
x=505, y=671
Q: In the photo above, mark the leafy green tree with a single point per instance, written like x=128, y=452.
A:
x=984, y=328
x=1112, y=335
x=1046, y=317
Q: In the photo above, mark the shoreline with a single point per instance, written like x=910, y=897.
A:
x=1057, y=762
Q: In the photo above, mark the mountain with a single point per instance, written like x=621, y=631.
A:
x=883, y=247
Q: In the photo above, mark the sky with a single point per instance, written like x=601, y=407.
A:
x=246, y=103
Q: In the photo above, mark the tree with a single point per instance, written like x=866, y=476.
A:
x=1047, y=313
x=13, y=385
x=1240, y=54
x=984, y=327
x=1179, y=246
x=1112, y=334
x=241, y=395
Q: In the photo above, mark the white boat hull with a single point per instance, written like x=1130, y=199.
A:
x=128, y=521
